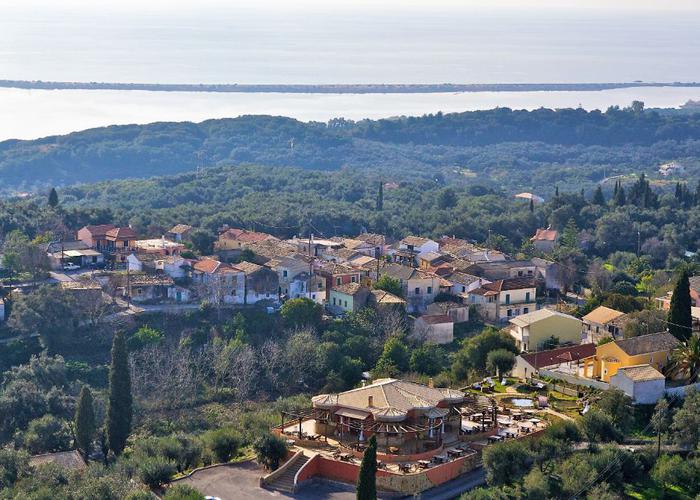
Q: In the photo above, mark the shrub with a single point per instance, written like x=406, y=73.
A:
x=183, y=492
x=155, y=471
x=270, y=450
x=223, y=443
x=47, y=434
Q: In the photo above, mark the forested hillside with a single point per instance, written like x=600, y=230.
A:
x=498, y=148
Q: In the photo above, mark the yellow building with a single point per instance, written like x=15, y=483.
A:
x=653, y=349
x=531, y=330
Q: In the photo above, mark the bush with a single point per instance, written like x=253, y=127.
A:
x=223, y=443
x=597, y=426
x=270, y=450
x=507, y=462
x=46, y=434
x=155, y=471
x=183, y=492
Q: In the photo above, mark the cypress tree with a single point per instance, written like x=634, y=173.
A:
x=380, y=197
x=598, y=197
x=556, y=191
x=532, y=205
x=697, y=194
x=680, y=322
x=53, y=197
x=119, y=411
x=367, y=479
x=84, y=421
x=620, y=199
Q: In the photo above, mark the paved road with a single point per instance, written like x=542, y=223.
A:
x=242, y=481
x=453, y=489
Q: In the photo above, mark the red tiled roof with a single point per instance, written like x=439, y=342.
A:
x=545, y=235
x=436, y=319
x=121, y=232
x=99, y=230
x=559, y=355
x=509, y=284
x=244, y=236
x=208, y=266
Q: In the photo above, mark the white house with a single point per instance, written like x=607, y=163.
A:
x=643, y=383
x=418, y=245
x=434, y=328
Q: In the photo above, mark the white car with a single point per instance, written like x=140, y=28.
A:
x=71, y=267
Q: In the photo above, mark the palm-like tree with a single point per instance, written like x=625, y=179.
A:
x=685, y=361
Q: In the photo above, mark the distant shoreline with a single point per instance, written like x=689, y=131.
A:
x=371, y=88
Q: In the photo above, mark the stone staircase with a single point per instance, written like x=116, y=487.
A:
x=284, y=480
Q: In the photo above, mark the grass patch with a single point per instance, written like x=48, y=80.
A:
x=650, y=489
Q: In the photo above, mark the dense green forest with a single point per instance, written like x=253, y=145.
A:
x=499, y=148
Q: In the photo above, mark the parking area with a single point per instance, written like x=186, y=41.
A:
x=242, y=481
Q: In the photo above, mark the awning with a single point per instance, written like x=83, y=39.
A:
x=351, y=413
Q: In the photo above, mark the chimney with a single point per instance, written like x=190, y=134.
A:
x=430, y=383
x=370, y=401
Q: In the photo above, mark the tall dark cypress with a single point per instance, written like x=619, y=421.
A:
x=598, y=197
x=53, y=197
x=680, y=322
x=84, y=421
x=532, y=205
x=380, y=197
x=119, y=411
x=367, y=479
x=556, y=191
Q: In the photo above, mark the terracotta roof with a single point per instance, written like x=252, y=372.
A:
x=208, y=266
x=121, y=232
x=602, y=315
x=559, y=355
x=431, y=257
x=362, y=260
x=384, y=297
x=641, y=373
x=244, y=236
x=509, y=284
x=545, y=235
x=180, y=228
x=99, y=230
x=372, y=238
x=539, y=315
x=390, y=397
x=415, y=241
x=247, y=267
x=66, y=459
x=436, y=319
x=353, y=244
x=349, y=288
x=644, y=344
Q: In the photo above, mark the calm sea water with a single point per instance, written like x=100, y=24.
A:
x=211, y=41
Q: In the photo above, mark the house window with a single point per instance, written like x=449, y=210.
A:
x=430, y=290
x=464, y=288
x=352, y=279
x=417, y=291
x=346, y=303
x=520, y=273
x=510, y=313
x=313, y=296
x=526, y=310
x=527, y=296
x=284, y=273
x=320, y=285
x=333, y=300
x=507, y=298
x=529, y=272
x=338, y=281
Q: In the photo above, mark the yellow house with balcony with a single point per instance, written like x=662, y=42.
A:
x=653, y=349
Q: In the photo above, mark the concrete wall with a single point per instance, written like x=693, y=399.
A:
x=644, y=392
x=586, y=382
x=681, y=391
x=408, y=484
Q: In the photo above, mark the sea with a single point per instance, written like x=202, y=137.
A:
x=306, y=42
